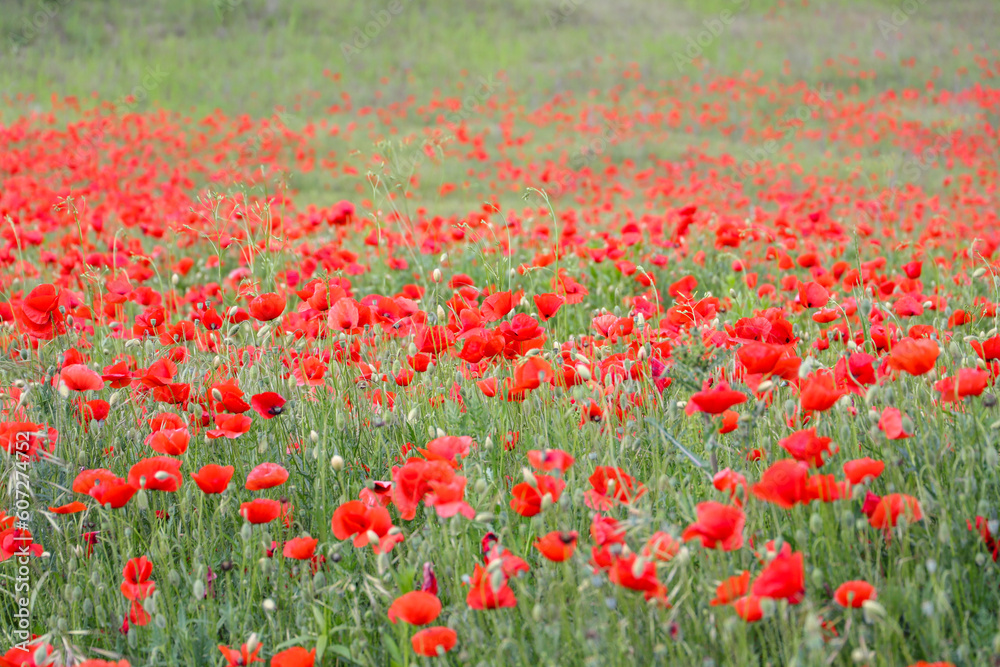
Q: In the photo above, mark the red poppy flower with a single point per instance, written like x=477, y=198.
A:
x=662, y=546
x=229, y=426
x=550, y=459
x=818, y=392
x=88, y=479
x=18, y=542
x=412, y=483
x=294, y=657
x=806, y=446
x=916, y=357
x=266, y=307
x=213, y=478
x=448, y=448
x=716, y=400
x=826, y=488
x=497, y=305
x=731, y=589
x=118, y=375
x=732, y=481
x=548, y=305
x=78, y=377
x=268, y=404
x=433, y=642
x=136, y=575
x=70, y=508
x=260, y=510
x=785, y=484
x=415, y=608
x=854, y=593
x=169, y=441
x=784, y=577
x=482, y=594
x=983, y=527
x=527, y=500
x=748, y=608
x=366, y=524
x=730, y=421
x=114, y=492
x=890, y=507
x=240, y=658
x=266, y=476
x=611, y=485
x=557, y=546
x=966, y=382
x=862, y=470
x=157, y=473
x=300, y=548
x=718, y=526
x=95, y=410
x=448, y=498
x=625, y=572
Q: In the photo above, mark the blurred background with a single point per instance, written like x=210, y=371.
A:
x=344, y=76
x=250, y=56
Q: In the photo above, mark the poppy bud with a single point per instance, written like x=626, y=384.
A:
x=372, y=536
x=436, y=275
x=990, y=456
x=480, y=486
x=198, y=590
x=529, y=477
x=485, y=517
x=245, y=532
x=269, y=605
x=944, y=532
x=497, y=577
x=873, y=611
x=907, y=424
x=765, y=386
x=979, y=273
x=337, y=462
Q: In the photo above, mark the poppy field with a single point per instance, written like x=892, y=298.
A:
x=691, y=369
